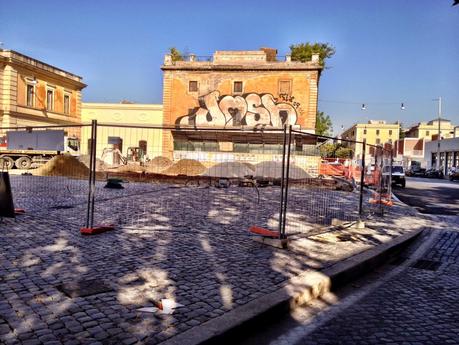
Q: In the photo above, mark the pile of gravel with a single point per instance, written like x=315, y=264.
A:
x=274, y=170
x=229, y=169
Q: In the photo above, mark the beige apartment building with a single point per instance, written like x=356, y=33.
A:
x=33, y=93
x=375, y=132
x=124, y=125
x=429, y=130
x=412, y=148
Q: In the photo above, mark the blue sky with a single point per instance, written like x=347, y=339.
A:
x=387, y=52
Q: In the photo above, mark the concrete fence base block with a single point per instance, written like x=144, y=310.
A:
x=337, y=222
x=273, y=242
x=360, y=224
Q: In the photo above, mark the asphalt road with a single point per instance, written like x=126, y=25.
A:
x=432, y=196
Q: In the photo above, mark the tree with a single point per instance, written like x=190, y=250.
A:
x=333, y=150
x=303, y=51
x=175, y=54
x=323, y=124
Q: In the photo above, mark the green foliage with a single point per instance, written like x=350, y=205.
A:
x=344, y=152
x=303, y=51
x=401, y=133
x=327, y=150
x=323, y=124
x=175, y=54
x=335, y=151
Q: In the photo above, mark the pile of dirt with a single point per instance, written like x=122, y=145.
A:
x=130, y=167
x=229, y=169
x=158, y=165
x=189, y=167
x=62, y=165
x=100, y=164
x=274, y=170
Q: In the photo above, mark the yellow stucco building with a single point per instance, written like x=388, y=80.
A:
x=122, y=128
x=33, y=93
x=374, y=132
x=430, y=129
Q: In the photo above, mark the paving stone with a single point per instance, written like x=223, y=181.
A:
x=191, y=242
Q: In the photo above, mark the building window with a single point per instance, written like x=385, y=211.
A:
x=49, y=100
x=364, y=132
x=285, y=87
x=30, y=93
x=390, y=131
x=143, y=146
x=193, y=86
x=66, y=104
x=427, y=133
x=378, y=141
x=377, y=132
x=237, y=87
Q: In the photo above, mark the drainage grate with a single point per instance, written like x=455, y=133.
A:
x=426, y=265
x=398, y=261
x=84, y=288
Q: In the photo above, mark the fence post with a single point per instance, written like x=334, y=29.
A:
x=281, y=218
x=92, y=176
x=381, y=179
x=93, y=159
x=390, y=173
x=362, y=180
x=284, y=213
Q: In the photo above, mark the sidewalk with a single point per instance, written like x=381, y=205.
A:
x=216, y=275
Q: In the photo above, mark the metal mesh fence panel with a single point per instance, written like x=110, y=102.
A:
x=192, y=180
x=324, y=177
x=47, y=176
x=378, y=178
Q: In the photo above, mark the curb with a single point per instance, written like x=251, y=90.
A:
x=297, y=291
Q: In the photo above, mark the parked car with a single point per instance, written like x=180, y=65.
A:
x=434, y=173
x=416, y=171
x=398, y=176
x=453, y=173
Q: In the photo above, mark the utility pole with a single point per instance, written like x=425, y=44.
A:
x=438, y=138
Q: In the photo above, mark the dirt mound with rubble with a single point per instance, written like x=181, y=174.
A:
x=100, y=164
x=189, y=167
x=229, y=169
x=62, y=165
x=274, y=170
x=129, y=167
x=158, y=165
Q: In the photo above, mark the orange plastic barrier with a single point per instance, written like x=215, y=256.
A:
x=263, y=232
x=96, y=229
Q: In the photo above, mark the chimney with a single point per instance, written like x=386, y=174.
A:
x=271, y=54
x=168, y=59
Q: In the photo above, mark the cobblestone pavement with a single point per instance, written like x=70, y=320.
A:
x=193, y=248
x=416, y=306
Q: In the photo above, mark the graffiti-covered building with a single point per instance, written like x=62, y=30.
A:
x=237, y=90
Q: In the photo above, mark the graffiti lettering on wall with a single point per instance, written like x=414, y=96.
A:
x=253, y=110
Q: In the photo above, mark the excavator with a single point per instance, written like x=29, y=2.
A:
x=113, y=156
